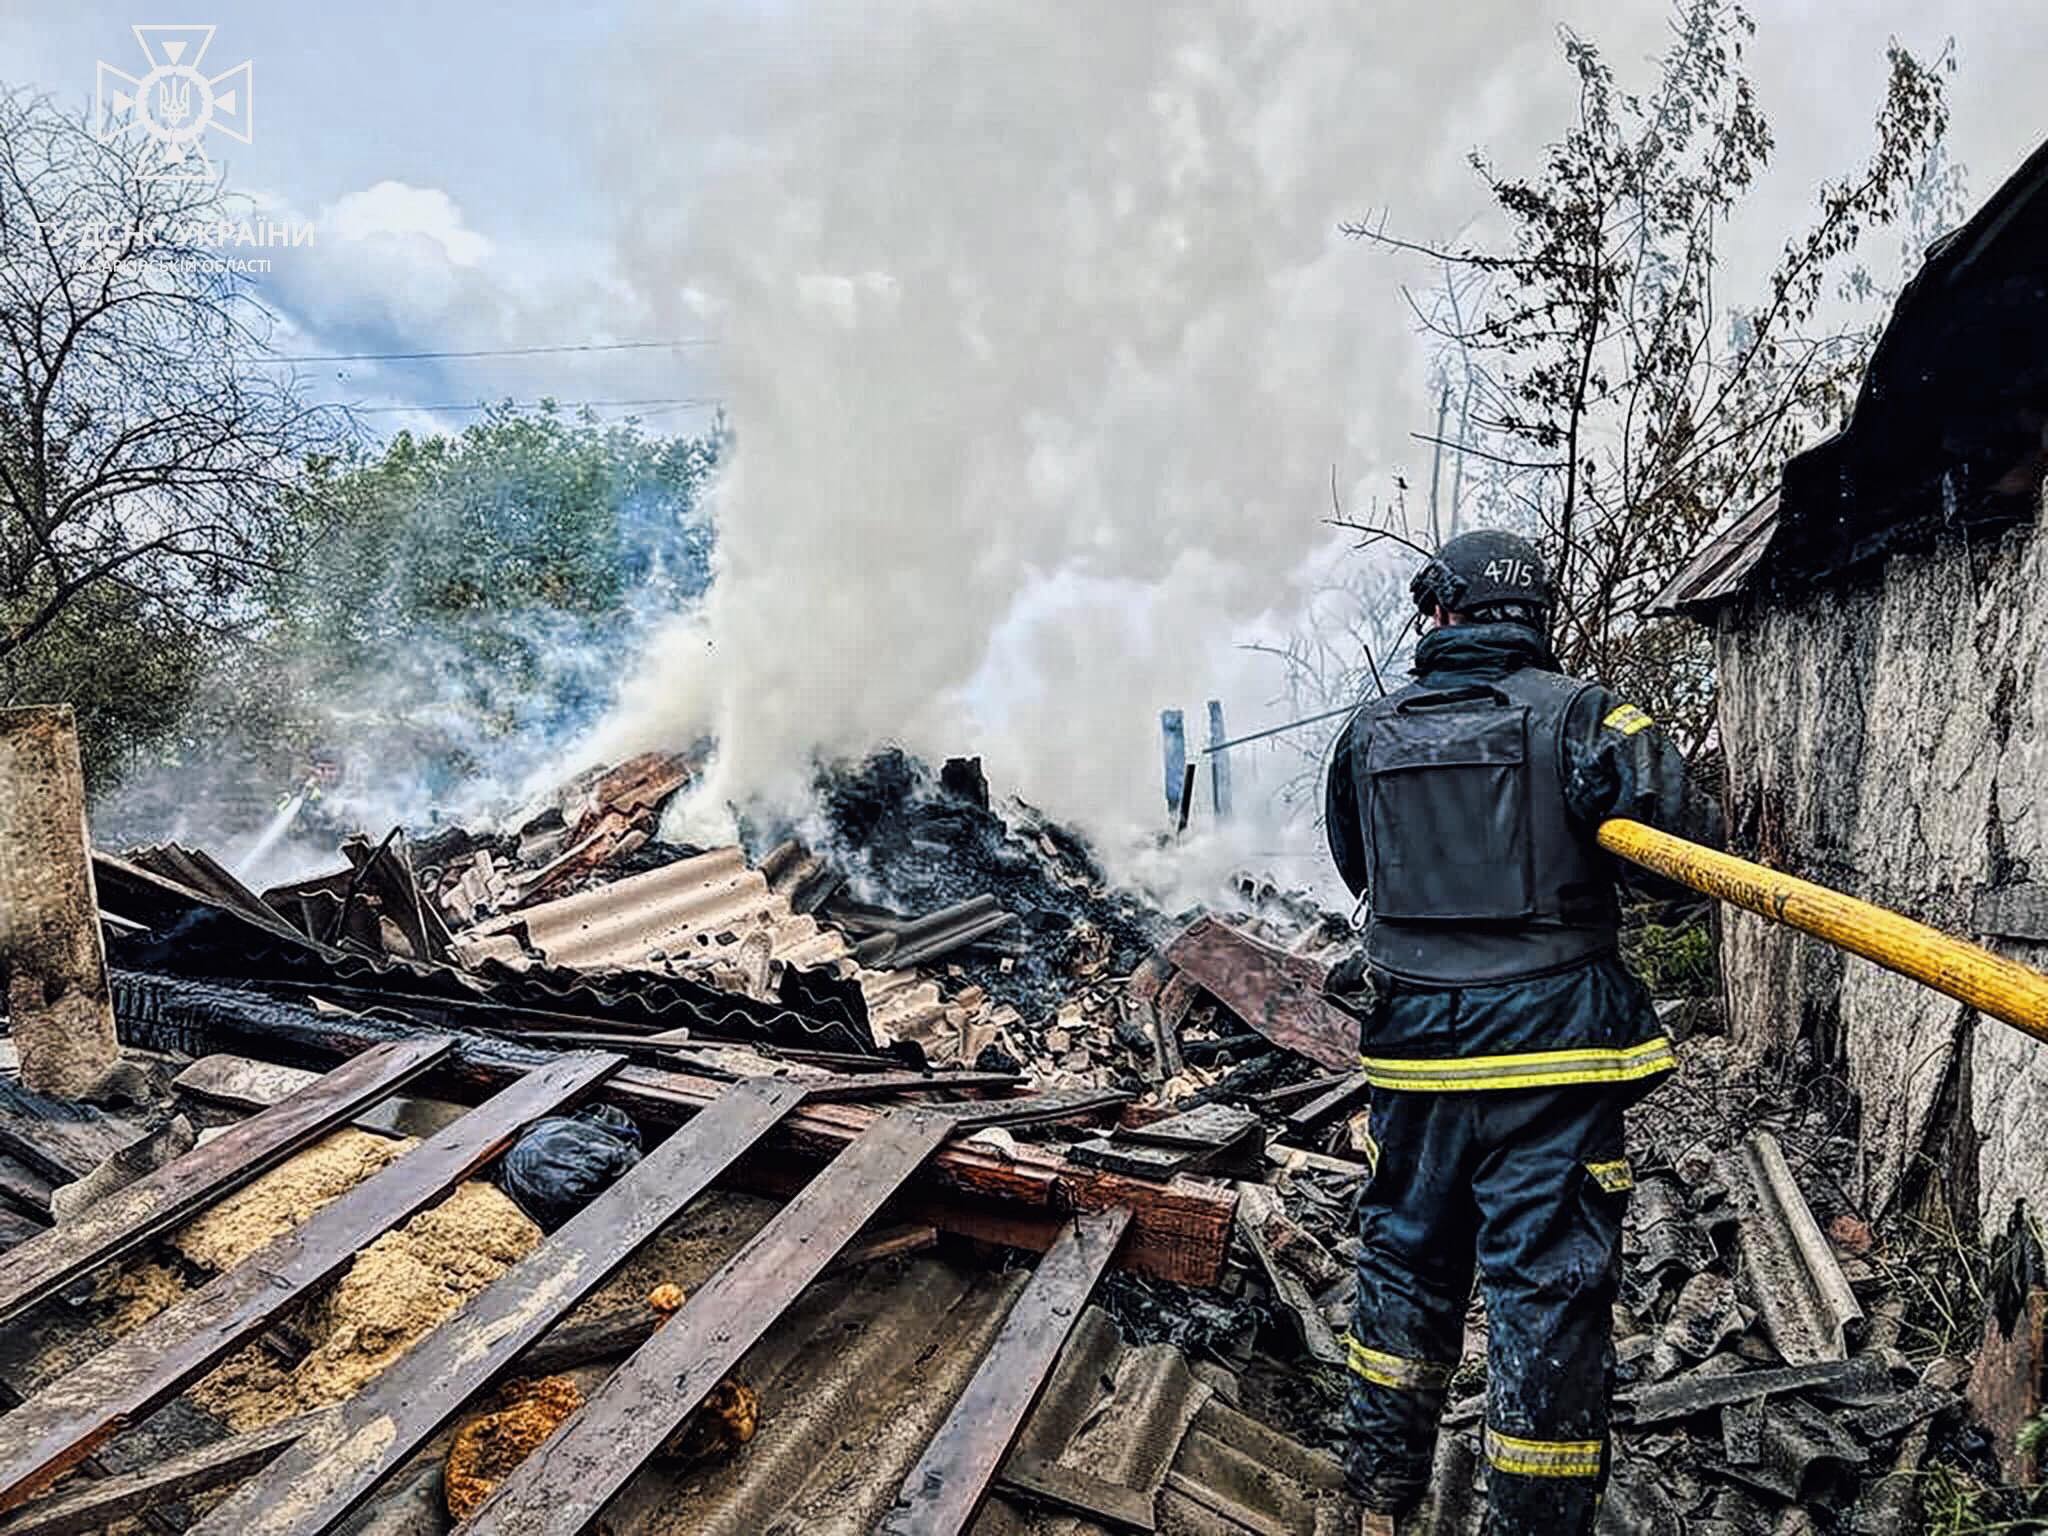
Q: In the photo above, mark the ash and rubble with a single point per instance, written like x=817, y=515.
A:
x=1782, y=1363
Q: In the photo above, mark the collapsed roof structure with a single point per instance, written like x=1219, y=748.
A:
x=973, y=1194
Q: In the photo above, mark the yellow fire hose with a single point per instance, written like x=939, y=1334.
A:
x=1967, y=972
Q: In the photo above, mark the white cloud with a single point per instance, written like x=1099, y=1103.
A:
x=394, y=212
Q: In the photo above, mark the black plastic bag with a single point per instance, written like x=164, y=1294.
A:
x=562, y=1163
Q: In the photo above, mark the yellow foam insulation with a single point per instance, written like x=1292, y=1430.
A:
x=253, y=1218
x=392, y=1294
x=138, y=1293
x=487, y=1447
x=406, y=1282
x=720, y=1425
x=249, y=1390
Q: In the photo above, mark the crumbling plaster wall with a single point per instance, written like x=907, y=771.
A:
x=1891, y=739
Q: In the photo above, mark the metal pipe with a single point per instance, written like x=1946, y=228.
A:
x=1238, y=741
x=1992, y=984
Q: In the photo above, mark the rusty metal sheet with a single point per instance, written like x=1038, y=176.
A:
x=1278, y=994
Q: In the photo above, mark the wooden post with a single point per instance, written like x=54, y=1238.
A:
x=1219, y=761
x=1174, y=743
x=50, y=943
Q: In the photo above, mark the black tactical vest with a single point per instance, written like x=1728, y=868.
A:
x=1477, y=871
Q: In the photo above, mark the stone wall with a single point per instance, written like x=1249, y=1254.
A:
x=1891, y=739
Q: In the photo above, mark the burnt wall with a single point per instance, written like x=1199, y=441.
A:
x=1890, y=738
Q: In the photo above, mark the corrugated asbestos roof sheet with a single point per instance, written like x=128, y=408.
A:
x=856, y=1379
x=713, y=917
x=1717, y=571
x=690, y=912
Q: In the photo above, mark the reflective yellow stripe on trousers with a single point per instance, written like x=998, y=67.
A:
x=1542, y=1458
x=1533, y=1069
x=1396, y=1371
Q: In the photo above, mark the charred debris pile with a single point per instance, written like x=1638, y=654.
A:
x=828, y=1086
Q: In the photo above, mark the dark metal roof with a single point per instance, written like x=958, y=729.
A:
x=1949, y=434
x=1718, y=569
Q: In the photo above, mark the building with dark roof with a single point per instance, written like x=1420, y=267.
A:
x=1880, y=626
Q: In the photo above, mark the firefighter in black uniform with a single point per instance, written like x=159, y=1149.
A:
x=1501, y=1034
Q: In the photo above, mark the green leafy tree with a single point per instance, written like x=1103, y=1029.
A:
x=144, y=452
x=1618, y=401
x=477, y=594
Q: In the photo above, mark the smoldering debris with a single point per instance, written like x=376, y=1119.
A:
x=1780, y=1355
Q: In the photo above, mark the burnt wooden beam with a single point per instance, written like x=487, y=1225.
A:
x=91, y=1506
x=562, y=1488
x=946, y=1488
x=61, y=1425
x=338, y=1463
x=59, y=1140
x=1180, y=1231
x=880, y=1085
x=125, y=1219
x=1340, y=1097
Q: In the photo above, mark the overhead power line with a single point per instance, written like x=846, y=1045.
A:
x=415, y=357
x=671, y=401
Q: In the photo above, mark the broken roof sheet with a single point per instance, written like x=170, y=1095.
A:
x=1721, y=565
x=715, y=918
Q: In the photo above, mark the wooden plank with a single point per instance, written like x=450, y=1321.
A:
x=1278, y=994
x=561, y=1489
x=1342, y=1096
x=90, y=1506
x=57, y=1427
x=945, y=1489
x=1179, y=1231
x=1295, y=1093
x=1048, y=1108
x=52, y=949
x=1209, y=1127
x=1175, y=999
x=880, y=1085
x=1048, y=1485
x=338, y=1464
x=129, y=1217
x=1137, y=1159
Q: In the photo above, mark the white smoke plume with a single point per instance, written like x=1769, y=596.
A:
x=1040, y=344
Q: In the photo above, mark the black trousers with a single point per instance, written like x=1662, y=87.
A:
x=1531, y=1185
